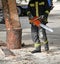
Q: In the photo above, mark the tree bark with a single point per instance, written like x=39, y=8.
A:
x=13, y=26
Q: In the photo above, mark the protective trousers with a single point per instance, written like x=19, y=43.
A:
x=36, y=38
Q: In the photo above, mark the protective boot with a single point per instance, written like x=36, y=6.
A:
x=38, y=48
x=46, y=46
x=45, y=40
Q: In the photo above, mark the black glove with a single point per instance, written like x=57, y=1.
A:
x=44, y=22
x=30, y=16
x=44, y=19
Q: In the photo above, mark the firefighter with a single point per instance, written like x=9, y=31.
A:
x=38, y=8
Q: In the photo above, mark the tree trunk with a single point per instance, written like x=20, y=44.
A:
x=13, y=26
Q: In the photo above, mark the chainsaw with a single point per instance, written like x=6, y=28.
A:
x=37, y=21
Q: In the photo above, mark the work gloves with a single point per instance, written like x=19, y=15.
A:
x=30, y=16
x=43, y=19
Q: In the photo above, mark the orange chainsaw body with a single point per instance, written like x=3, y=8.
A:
x=35, y=21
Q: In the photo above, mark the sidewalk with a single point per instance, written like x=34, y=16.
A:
x=24, y=55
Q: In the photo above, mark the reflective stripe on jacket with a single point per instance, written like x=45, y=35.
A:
x=39, y=7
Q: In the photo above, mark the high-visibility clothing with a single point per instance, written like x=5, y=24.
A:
x=38, y=7
x=40, y=43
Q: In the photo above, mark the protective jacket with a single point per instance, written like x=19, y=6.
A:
x=39, y=7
